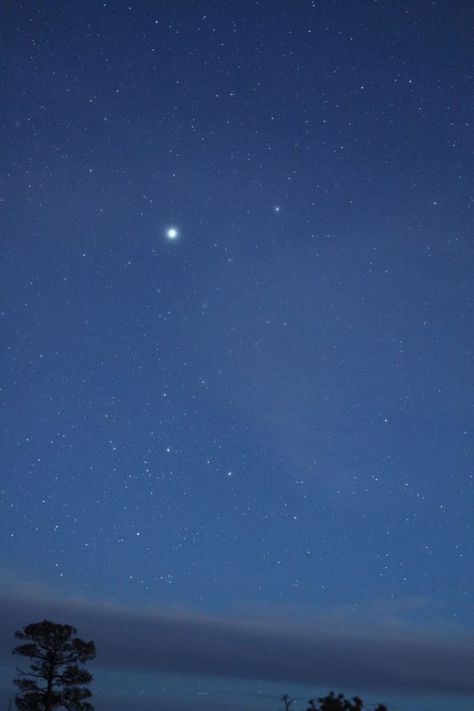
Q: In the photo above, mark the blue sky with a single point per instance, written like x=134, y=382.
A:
x=264, y=416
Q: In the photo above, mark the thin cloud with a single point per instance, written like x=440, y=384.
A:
x=190, y=643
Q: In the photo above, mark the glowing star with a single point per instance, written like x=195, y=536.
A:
x=172, y=233
x=277, y=208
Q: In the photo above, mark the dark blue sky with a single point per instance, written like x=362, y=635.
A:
x=267, y=419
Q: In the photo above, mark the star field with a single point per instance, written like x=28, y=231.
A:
x=237, y=303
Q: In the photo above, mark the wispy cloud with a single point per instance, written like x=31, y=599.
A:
x=316, y=652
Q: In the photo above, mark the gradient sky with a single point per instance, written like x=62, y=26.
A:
x=237, y=346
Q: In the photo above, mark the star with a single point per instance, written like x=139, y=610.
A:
x=172, y=233
x=277, y=208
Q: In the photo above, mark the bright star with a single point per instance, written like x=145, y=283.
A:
x=277, y=208
x=172, y=233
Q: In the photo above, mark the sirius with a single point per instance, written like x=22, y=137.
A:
x=172, y=233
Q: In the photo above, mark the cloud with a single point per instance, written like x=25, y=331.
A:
x=338, y=655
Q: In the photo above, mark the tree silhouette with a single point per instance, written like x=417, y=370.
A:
x=287, y=702
x=331, y=702
x=55, y=678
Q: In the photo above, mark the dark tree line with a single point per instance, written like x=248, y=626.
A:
x=56, y=678
x=331, y=702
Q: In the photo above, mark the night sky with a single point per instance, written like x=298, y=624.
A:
x=237, y=311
